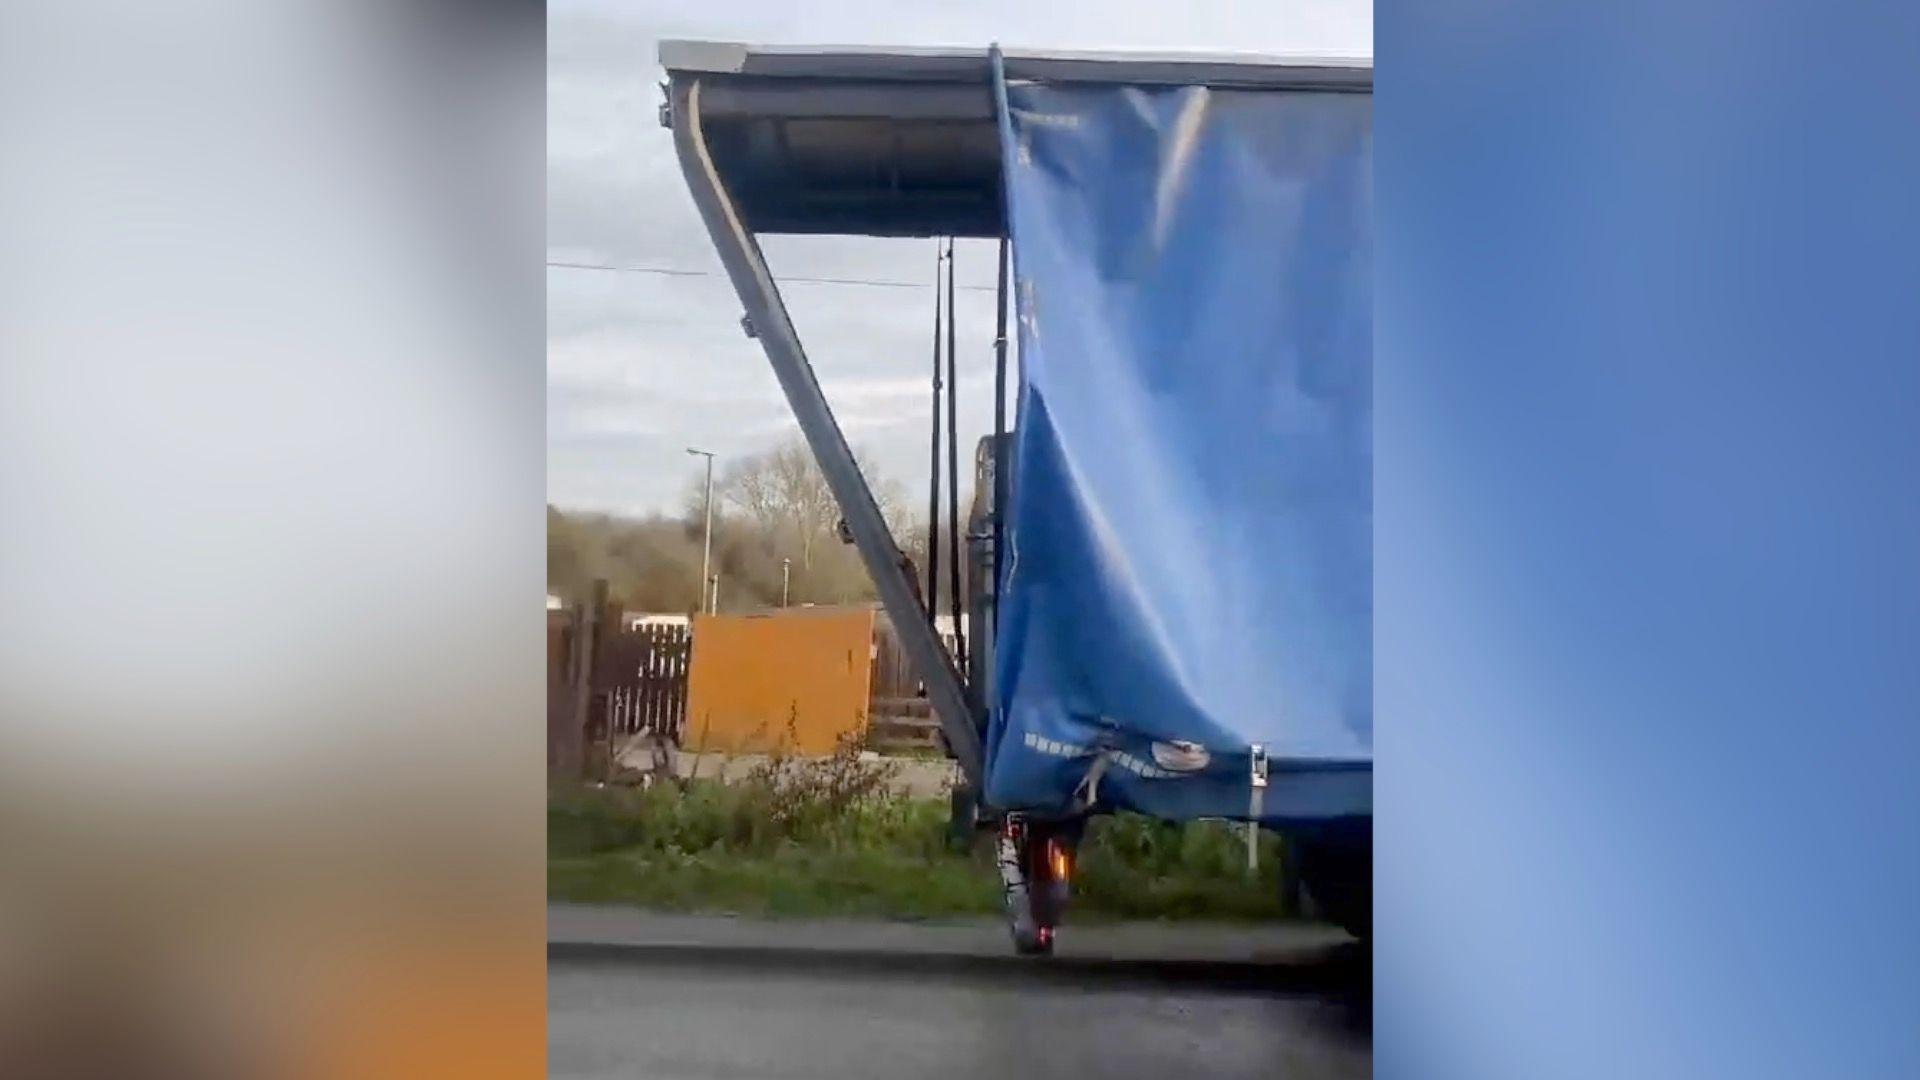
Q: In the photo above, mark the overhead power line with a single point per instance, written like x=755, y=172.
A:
x=674, y=271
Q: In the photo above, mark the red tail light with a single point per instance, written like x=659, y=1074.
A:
x=1058, y=862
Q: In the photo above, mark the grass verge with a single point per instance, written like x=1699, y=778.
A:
x=827, y=837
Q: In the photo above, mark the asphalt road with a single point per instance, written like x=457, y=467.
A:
x=649, y=996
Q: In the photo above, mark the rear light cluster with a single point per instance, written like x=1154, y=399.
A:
x=1058, y=862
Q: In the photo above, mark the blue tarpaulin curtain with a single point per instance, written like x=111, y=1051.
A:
x=1190, y=522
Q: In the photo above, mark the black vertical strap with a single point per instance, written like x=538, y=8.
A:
x=1000, y=417
x=953, y=470
x=933, y=468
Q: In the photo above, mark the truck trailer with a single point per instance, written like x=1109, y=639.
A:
x=1171, y=537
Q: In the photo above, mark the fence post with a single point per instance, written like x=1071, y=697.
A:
x=608, y=624
x=585, y=646
x=562, y=643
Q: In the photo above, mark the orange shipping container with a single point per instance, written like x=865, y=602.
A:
x=799, y=674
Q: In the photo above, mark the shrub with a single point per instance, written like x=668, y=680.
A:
x=839, y=802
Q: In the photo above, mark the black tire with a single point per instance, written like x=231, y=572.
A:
x=1340, y=881
x=1347, y=904
x=1030, y=945
x=1030, y=937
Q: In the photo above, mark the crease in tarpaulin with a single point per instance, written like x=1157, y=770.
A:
x=1176, y=159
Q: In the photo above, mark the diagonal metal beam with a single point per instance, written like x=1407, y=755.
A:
x=768, y=321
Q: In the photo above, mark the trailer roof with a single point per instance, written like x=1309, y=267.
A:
x=902, y=141
x=973, y=65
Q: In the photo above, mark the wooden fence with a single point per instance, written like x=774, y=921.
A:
x=607, y=682
x=899, y=717
x=640, y=681
x=893, y=674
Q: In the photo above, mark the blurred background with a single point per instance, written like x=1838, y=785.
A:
x=270, y=476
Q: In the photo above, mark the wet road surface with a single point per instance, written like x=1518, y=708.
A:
x=649, y=996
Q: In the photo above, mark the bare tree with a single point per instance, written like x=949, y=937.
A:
x=771, y=507
x=784, y=493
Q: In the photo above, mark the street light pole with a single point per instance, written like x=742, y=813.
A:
x=786, y=572
x=706, y=547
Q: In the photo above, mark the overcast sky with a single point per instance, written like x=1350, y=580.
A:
x=642, y=366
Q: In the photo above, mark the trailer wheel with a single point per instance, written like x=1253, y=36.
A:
x=1029, y=937
x=1032, y=933
x=1034, y=898
x=1340, y=881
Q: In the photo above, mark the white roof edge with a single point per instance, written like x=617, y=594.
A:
x=867, y=61
x=718, y=56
